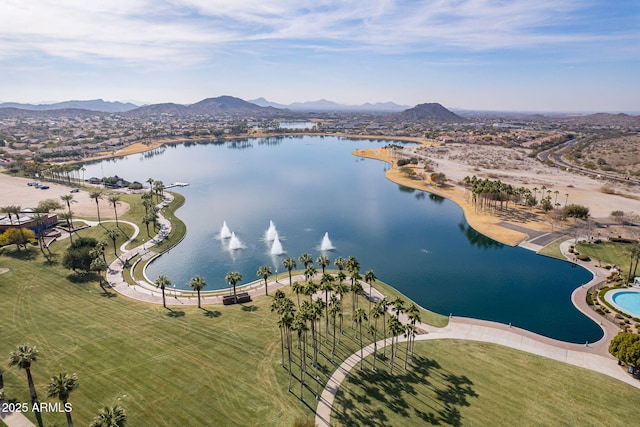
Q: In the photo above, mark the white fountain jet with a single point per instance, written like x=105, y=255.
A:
x=225, y=233
x=326, y=244
x=276, y=248
x=235, y=243
x=271, y=233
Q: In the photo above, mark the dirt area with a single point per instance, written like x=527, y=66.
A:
x=511, y=166
x=15, y=191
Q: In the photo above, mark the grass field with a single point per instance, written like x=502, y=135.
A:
x=470, y=383
x=608, y=253
x=221, y=365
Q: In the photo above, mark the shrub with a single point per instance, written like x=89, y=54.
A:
x=403, y=162
x=583, y=257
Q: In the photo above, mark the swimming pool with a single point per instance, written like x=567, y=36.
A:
x=628, y=301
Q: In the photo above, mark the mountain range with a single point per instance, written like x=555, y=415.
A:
x=324, y=105
x=91, y=105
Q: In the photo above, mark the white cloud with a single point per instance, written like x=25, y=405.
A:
x=139, y=31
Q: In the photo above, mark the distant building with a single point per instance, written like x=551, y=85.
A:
x=27, y=219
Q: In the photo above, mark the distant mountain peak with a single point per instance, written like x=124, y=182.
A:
x=431, y=112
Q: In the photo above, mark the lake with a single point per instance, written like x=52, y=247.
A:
x=310, y=185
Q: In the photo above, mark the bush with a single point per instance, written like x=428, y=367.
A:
x=583, y=257
x=403, y=162
x=135, y=186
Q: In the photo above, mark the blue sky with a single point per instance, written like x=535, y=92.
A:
x=542, y=55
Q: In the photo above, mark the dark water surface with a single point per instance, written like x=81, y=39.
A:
x=417, y=242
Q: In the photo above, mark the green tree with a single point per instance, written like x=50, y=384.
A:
x=162, y=282
x=61, y=387
x=78, y=254
x=264, y=271
x=113, y=235
x=115, y=201
x=197, y=284
x=23, y=357
x=97, y=196
x=233, y=278
x=305, y=259
x=360, y=316
x=110, y=416
x=289, y=263
x=297, y=288
x=326, y=285
x=370, y=277
x=323, y=262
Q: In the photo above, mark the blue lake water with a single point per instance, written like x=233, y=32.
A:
x=415, y=241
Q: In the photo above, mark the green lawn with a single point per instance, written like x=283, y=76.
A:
x=468, y=383
x=608, y=253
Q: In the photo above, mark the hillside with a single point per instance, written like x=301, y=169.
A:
x=222, y=105
x=430, y=112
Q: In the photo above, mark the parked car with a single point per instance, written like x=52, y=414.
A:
x=74, y=190
x=44, y=187
x=32, y=183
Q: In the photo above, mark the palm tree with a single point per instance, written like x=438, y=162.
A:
x=197, y=284
x=326, y=285
x=297, y=288
x=289, y=263
x=409, y=334
x=305, y=259
x=68, y=218
x=634, y=256
x=300, y=325
x=323, y=261
x=68, y=199
x=96, y=195
x=14, y=210
x=110, y=416
x=99, y=265
x=233, y=278
x=162, y=282
x=113, y=235
x=310, y=271
x=61, y=386
x=158, y=188
x=376, y=312
x=264, y=271
x=395, y=327
x=413, y=313
x=310, y=288
x=360, y=316
x=23, y=357
x=150, y=182
x=115, y=201
x=383, y=307
x=334, y=309
x=352, y=265
x=370, y=277
x=340, y=289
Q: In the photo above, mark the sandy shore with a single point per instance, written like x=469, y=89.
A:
x=511, y=166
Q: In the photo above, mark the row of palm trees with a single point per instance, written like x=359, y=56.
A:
x=60, y=387
x=487, y=194
x=304, y=319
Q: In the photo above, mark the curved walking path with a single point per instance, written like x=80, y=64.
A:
x=593, y=356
